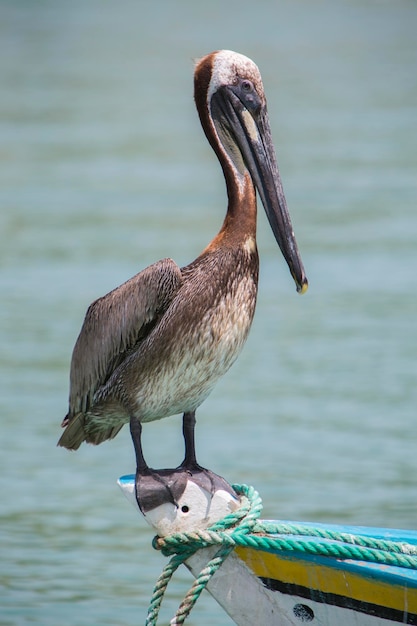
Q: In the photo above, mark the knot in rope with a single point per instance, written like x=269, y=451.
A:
x=243, y=520
x=181, y=546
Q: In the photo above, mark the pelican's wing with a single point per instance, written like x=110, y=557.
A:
x=114, y=324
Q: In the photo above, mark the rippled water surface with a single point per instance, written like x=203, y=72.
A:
x=103, y=170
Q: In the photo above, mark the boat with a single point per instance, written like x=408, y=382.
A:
x=300, y=572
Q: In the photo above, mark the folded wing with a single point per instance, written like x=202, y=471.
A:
x=114, y=325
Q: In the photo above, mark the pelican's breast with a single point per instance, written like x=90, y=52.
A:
x=199, y=340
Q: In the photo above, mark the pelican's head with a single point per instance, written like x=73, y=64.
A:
x=231, y=102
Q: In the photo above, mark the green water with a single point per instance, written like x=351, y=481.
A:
x=103, y=170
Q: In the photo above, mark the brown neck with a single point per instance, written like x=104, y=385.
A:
x=240, y=220
x=241, y=210
x=239, y=224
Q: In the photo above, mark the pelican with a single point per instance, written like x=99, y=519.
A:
x=156, y=345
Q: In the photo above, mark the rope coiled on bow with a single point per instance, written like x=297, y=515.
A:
x=243, y=528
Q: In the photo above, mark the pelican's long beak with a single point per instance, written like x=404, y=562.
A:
x=252, y=134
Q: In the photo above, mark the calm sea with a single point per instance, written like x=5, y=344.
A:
x=103, y=170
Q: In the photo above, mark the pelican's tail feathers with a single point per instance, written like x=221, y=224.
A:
x=78, y=429
x=74, y=433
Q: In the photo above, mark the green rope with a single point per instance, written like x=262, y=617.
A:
x=243, y=528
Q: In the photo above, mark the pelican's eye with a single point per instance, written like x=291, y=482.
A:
x=248, y=95
x=247, y=86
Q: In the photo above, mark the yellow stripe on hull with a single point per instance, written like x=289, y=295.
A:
x=333, y=585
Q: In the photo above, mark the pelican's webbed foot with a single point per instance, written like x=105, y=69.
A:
x=154, y=488
x=180, y=491
x=205, y=478
x=178, y=500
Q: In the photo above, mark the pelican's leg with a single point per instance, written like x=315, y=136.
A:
x=136, y=432
x=153, y=487
x=188, y=427
x=205, y=478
